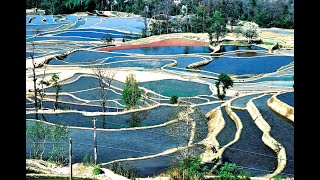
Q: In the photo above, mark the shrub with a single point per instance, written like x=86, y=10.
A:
x=231, y=171
x=174, y=100
x=97, y=170
x=189, y=168
x=88, y=160
x=278, y=177
x=124, y=170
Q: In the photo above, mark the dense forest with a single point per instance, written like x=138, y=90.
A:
x=266, y=13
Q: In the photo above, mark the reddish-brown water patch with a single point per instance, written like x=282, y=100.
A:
x=166, y=42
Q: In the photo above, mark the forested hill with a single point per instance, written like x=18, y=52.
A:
x=266, y=13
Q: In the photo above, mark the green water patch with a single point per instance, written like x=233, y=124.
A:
x=177, y=88
x=281, y=130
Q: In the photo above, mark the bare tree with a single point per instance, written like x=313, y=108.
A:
x=105, y=77
x=36, y=103
x=42, y=91
x=188, y=127
x=159, y=91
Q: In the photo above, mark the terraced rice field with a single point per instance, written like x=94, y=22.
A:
x=74, y=42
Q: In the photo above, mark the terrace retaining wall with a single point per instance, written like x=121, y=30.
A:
x=197, y=64
x=266, y=137
x=281, y=108
x=215, y=125
x=239, y=126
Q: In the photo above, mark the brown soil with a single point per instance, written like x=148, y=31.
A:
x=166, y=42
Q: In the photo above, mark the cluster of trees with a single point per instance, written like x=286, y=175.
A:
x=43, y=139
x=197, y=13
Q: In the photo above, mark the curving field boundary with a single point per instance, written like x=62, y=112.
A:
x=267, y=138
x=281, y=108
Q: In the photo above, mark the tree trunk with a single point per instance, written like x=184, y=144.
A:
x=35, y=88
x=217, y=37
x=56, y=101
x=104, y=117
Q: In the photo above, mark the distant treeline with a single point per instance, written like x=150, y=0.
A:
x=266, y=13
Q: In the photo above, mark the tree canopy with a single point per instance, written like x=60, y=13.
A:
x=227, y=83
x=131, y=92
x=266, y=13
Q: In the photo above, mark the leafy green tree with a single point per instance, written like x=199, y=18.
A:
x=131, y=92
x=227, y=83
x=58, y=134
x=218, y=26
x=54, y=80
x=38, y=134
x=264, y=19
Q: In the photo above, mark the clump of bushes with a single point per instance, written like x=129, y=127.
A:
x=188, y=168
x=231, y=171
x=88, y=161
x=124, y=170
x=97, y=170
x=174, y=100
